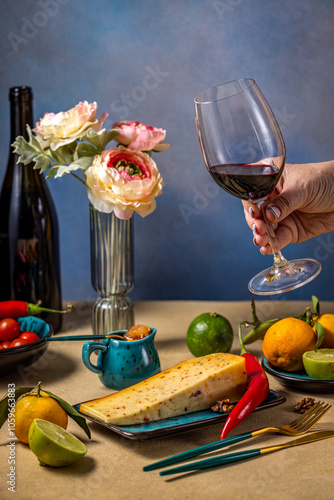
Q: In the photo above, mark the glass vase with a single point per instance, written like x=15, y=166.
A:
x=112, y=275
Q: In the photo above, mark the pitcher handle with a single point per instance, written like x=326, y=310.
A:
x=87, y=349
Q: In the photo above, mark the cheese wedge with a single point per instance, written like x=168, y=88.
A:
x=190, y=386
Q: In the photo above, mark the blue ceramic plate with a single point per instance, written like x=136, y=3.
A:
x=177, y=424
x=18, y=358
x=298, y=381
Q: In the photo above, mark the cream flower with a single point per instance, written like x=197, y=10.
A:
x=65, y=127
x=125, y=181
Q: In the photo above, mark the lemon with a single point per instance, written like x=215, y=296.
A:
x=209, y=333
x=319, y=364
x=54, y=446
x=34, y=406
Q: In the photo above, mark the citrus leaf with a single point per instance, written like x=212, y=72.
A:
x=316, y=305
x=4, y=408
x=71, y=412
x=320, y=331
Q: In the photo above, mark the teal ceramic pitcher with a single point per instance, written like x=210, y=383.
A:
x=121, y=363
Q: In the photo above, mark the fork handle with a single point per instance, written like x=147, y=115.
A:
x=213, y=462
x=216, y=445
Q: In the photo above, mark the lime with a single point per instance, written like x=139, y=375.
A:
x=54, y=446
x=208, y=333
x=319, y=364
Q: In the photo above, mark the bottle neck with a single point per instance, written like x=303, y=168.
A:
x=20, y=115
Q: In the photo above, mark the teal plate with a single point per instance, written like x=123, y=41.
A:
x=300, y=380
x=173, y=425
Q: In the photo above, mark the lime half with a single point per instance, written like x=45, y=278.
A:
x=319, y=364
x=54, y=446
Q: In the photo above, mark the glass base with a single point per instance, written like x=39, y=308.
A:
x=112, y=313
x=294, y=274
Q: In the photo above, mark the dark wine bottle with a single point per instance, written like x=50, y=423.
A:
x=29, y=236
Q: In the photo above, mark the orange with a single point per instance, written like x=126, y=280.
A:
x=327, y=321
x=33, y=406
x=285, y=343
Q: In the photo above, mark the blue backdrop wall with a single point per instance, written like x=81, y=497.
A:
x=147, y=60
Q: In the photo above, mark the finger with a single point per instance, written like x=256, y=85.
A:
x=252, y=210
x=260, y=227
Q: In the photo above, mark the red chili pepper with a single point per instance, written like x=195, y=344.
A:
x=257, y=391
x=19, y=308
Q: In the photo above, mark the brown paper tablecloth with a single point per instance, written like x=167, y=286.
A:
x=112, y=468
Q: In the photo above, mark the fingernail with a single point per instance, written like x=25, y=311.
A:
x=276, y=211
x=251, y=212
x=254, y=229
x=260, y=203
x=255, y=242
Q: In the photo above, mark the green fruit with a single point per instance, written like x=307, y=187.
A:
x=208, y=333
x=54, y=446
x=319, y=364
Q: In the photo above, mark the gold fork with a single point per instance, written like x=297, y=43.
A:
x=299, y=426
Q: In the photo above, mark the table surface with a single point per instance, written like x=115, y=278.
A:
x=112, y=468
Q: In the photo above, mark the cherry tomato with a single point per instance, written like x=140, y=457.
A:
x=6, y=344
x=18, y=342
x=9, y=329
x=30, y=336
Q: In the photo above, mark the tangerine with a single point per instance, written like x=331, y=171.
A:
x=33, y=406
x=285, y=343
x=327, y=321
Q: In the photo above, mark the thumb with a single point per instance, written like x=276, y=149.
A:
x=283, y=205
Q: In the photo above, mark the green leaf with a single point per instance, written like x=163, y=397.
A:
x=162, y=146
x=26, y=151
x=316, y=305
x=66, y=169
x=100, y=139
x=320, y=332
x=43, y=162
x=4, y=408
x=85, y=149
x=65, y=154
x=33, y=140
x=84, y=162
x=71, y=412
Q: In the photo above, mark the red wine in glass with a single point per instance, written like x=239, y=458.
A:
x=251, y=182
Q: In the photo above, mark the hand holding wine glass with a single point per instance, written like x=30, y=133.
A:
x=244, y=152
x=300, y=207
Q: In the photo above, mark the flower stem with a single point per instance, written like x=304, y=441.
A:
x=77, y=177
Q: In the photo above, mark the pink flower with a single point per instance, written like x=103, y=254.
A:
x=124, y=180
x=65, y=127
x=139, y=136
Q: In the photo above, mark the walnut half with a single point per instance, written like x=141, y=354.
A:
x=223, y=406
x=304, y=404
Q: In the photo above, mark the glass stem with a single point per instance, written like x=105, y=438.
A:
x=279, y=260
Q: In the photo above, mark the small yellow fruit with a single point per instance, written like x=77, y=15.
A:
x=285, y=343
x=327, y=321
x=33, y=406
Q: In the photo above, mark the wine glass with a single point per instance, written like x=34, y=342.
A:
x=244, y=151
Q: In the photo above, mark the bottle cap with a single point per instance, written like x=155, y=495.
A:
x=23, y=93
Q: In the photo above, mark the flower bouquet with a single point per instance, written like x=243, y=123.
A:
x=120, y=181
